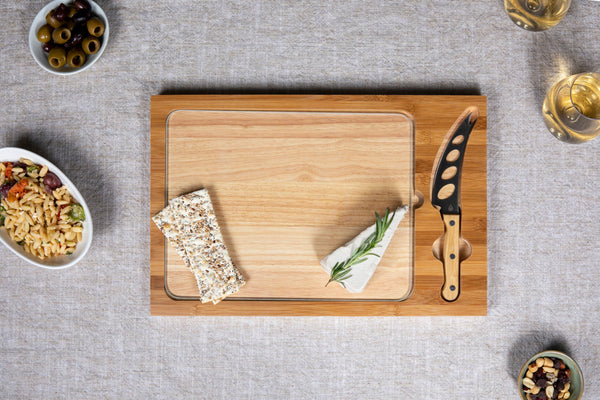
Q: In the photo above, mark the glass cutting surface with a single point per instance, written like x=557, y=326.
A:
x=288, y=188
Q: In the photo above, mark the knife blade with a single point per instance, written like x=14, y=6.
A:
x=445, y=197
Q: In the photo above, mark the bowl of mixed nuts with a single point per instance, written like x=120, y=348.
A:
x=550, y=375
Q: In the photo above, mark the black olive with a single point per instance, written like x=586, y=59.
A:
x=51, y=181
x=47, y=47
x=72, y=11
x=20, y=164
x=52, y=21
x=5, y=188
x=82, y=5
x=77, y=37
x=82, y=16
x=61, y=12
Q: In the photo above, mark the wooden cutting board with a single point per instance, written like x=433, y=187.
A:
x=293, y=177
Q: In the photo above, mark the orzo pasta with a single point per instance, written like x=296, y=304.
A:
x=37, y=211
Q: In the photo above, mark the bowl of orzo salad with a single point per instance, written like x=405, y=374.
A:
x=43, y=217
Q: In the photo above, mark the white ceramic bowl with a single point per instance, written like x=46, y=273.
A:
x=14, y=154
x=41, y=57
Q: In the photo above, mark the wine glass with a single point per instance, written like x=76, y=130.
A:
x=571, y=108
x=536, y=15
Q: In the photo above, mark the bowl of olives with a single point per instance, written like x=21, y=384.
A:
x=68, y=36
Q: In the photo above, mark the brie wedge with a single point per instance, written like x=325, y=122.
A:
x=361, y=273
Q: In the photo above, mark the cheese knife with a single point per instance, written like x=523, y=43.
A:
x=445, y=196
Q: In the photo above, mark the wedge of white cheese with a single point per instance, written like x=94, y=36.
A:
x=362, y=272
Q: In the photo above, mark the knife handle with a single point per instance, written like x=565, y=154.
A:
x=451, y=257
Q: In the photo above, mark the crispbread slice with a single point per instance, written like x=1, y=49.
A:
x=190, y=225
x=167, y=224
x=204, y=244
x=164, y=220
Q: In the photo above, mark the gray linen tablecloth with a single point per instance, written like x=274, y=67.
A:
x=86, y=332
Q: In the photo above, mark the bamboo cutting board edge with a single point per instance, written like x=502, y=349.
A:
x=433, y=115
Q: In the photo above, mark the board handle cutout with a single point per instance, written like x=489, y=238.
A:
x=464, y=248
x=418, y=199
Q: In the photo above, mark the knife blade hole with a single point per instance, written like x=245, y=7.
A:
x=446, y=191
x=458, y=140
x=449, y=173
x=453, y=155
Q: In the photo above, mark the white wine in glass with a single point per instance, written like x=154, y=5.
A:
x=572, y=108
x=536, y=15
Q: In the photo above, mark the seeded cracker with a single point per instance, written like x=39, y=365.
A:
x=190, y=225
x=166, y=223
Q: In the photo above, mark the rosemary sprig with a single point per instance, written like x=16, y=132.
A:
x=342, y=269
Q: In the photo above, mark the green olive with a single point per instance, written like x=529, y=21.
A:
x=71, y=12
x=57, y=57
x=75, y=57
x=95, y=27
x=44, y=35
x=90, y=45
x=61, y=35
x=53, y=22
x=69, y=24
